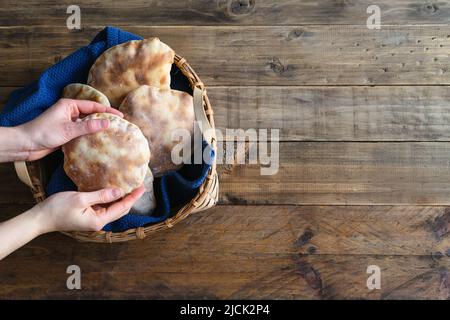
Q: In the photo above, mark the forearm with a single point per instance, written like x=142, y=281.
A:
x=13, y=144
x=18, y=231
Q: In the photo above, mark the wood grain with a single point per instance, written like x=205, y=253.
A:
x=281, y=55
x=12, y=190
x=4, y=94
x=223, y=12
x=344, y=173
x=364, y=163
x=249, y=252
x=325, y=230
x=327, y=173
x=404, y=113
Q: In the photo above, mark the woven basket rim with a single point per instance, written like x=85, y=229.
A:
x=205, y=198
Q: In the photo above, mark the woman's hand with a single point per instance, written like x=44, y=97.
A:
x=58, y=125
x=84, y=211
x=66, y=211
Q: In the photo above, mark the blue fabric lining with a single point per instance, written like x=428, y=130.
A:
x=172, y=191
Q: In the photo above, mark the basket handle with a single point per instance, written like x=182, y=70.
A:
x=200, y=115
x=22, y=173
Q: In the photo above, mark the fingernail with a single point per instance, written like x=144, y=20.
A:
x=104, y=124
x=116, y=193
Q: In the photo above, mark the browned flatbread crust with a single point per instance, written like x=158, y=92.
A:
x=125, y=67
x=82, y=91
x=117, y=157
x=158, y=112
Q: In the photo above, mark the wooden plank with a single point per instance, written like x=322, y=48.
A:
x=233, y=252
x=12, y=190
x=405, y=113
x=223, y=12
x=284, y=55
x=4, y=94
x=344, y=173
x=325, y=173
x=324, y=230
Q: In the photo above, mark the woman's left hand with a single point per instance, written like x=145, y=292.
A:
x=83, y=211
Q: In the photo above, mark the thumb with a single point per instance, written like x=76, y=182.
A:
x=122, y=207
x=80, y=128
x=101, y=196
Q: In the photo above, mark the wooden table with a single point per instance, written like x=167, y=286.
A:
x=364, y=177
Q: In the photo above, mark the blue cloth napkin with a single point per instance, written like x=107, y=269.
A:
x=172, y=191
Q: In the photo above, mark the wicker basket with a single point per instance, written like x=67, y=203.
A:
x=35, y=174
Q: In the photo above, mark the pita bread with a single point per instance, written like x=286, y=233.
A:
x=116, y=157
x=126, y=66
x=147, y=202
x=158, y=112
x=82, y=91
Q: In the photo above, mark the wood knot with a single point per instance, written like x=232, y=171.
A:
x=312, y=250
x=304, y=238
x=277, y=67
x=436, y=256
x=225, y=169
x=232, y=199
x=441, y=225
x=444, y=285
x=311, y=276
x=241, y=7
x=294, y=34
x=430, y=8
x=57, y=58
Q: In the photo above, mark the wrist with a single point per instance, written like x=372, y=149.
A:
x=14, y=144
x=25, y=138
x=41, y=223
x=20, y=142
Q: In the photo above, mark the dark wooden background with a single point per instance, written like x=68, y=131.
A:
x=364, y=160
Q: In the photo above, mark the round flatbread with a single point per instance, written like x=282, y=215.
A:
x=126, y=66
x=159, y=112
x=146, y=204
x=82, y=91
x=116, y=157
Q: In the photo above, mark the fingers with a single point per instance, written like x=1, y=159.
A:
x=88, y=107
x=74, y=128
x=101, y=196
x=79, y=128
x=114, y=111
x=36, y=155
x=122, y=207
